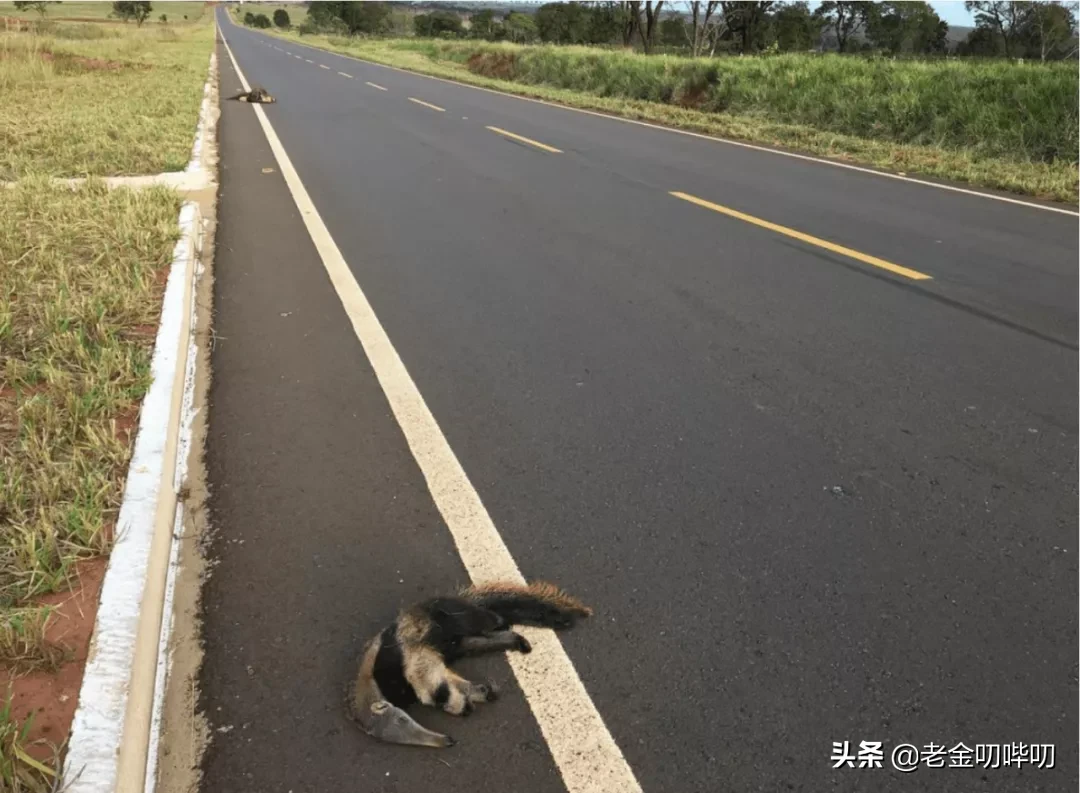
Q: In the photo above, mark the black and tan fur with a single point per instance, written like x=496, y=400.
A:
x=409, y=661
x=256, y=95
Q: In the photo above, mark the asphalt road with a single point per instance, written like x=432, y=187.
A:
x=810, y=499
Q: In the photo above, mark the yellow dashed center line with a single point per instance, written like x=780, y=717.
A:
x=374, y=85
x=427, y=104
x=523, y=139
x=345, y=75
x=914, y=275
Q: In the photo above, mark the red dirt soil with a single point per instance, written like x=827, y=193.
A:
x=52, y=697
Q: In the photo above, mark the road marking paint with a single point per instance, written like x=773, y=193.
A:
x=346, y=75
x=580, y=744
x=728, y=141
x=373, y=85
x=308, y=61
x=915, y=275
x=523, y=139
x=298, y=58
x=322, y=66
x=427, y=104
x=287, y=52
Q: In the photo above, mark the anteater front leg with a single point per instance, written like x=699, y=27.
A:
x=456, y=695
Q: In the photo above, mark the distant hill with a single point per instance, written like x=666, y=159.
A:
x=957, y=34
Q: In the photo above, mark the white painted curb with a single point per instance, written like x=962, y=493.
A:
x=92, y=764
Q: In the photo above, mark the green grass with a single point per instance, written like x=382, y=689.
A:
x=80, y=293
x=103, y=100
x=23, y=643
x=989, y=123
x=79, y=301
x=102, y=11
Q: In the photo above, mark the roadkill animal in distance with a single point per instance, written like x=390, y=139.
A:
x=257, y=95
x=409, y=661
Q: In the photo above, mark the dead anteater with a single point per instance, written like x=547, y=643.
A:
x=257, y=95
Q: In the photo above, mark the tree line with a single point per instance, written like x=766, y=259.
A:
x=1039, y=30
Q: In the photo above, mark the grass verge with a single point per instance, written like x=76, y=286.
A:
x=177, y=12
x=101, y=100
x=81, y=279
x=1024, y=141
x=82, y=274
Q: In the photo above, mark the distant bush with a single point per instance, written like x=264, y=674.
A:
x=995, y=107
x=261, y=21
x=281, y=18
x=249, y=18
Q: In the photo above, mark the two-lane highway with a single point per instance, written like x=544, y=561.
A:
x=804, y=437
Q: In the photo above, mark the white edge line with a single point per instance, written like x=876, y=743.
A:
x=91, y=762
x=713, y=138
x=580, y=744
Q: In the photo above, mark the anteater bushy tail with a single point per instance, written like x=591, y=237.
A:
x=538, y=603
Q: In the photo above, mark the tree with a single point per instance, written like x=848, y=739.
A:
x=1006, y=19
x=981, y=43
x=356, y=17
x=671, y=31
x=482, y=24
x=647, y=31
x=40, y=7
x=744, y=19
x=906, y=27
x=703, y=18
x=520, y=28
x=369, y=18
x=139, y=11
x=401, y=22
x=605, y=23
x=249, y=18
x=563, y=23
x=438, y=24
x=844, y=19
x=321, y=15
x=281, y=18
x=164, y=19
x=261, y=21
x=797, y=29
x=1051, y=26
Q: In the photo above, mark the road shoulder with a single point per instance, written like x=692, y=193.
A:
x=322, y=525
